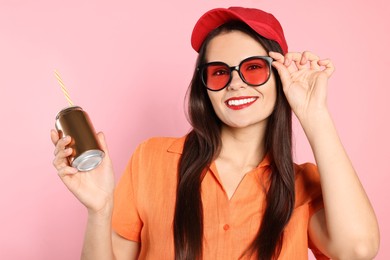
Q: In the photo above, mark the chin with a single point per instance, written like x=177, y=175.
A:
x=246, y=124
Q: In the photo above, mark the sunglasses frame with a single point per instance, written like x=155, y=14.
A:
x=237, y=68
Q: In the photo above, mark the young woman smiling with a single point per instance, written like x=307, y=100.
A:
x=229, y=188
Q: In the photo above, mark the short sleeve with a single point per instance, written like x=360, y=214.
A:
x=125, y=220
x=308, y=187
x=309, y=192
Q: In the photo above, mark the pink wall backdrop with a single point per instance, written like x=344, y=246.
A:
x=128, y=64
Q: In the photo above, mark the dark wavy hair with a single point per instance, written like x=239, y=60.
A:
x=203, y=145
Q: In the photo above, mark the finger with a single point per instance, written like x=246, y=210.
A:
x=66, y=171
x=276, y=56
x=310, y=57
x=329, y=67
x=102, y=141
x=60, y=160
x=291, y=56
x=62, y=143
x=291, y=59
x=54, y=136
x=314, y=65
x=284, y=74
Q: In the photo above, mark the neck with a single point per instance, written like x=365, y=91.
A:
x=243, y=146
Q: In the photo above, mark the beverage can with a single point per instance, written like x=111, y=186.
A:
x=87, y=153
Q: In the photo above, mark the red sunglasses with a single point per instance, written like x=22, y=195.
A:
x=254, y=71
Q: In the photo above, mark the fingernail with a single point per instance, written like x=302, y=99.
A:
x=73, y=170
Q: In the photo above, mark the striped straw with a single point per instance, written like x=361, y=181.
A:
x=63, y=88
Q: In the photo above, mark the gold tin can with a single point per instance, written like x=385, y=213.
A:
x=75, y=122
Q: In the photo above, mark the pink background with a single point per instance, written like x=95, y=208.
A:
x=128, y=64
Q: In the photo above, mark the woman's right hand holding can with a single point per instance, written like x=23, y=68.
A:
x=93, y=188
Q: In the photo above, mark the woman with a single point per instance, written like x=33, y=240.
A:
x=229, y=189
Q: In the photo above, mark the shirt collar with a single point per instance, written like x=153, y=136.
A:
x=178, y=145
x=265, y=162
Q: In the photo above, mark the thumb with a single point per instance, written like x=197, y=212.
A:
x=102, y=141
x=283, y=72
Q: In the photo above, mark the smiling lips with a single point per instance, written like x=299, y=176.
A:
x=238, y=103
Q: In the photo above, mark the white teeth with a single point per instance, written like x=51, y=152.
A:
x=239, y=102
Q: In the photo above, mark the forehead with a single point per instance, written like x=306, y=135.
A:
x=232, y=47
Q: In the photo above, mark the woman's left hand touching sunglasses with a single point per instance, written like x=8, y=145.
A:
x=305, y=78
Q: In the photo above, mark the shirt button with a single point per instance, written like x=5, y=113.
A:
x=226, y=227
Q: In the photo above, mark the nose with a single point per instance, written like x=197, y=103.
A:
x=236, y=82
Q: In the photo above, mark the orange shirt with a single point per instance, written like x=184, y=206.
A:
x=145, y=203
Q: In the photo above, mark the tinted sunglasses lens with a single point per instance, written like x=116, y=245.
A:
x=216, y=76
x=255, y=71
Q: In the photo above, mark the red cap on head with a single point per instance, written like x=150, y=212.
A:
x=263, y=23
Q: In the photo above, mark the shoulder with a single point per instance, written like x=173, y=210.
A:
x=306, y=172
x=156, y=154
x=161, y=145
x=307, y=183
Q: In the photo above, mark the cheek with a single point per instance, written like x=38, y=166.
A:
x=273, y=94
x=272, y=97
x=272, y=87
x=268, y=90
x=215, y=99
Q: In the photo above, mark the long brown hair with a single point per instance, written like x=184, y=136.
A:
x=203, y=145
